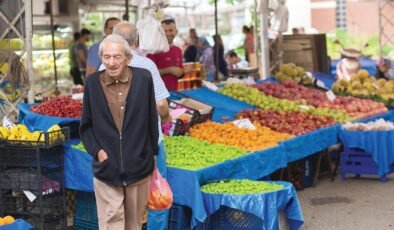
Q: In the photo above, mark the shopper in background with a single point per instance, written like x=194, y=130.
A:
x=94, y=61
x=169, y=63
x=81, y=51
x=384, y=69
x=119, y=129
x=191, y=51
x=74, y=69
x=207, y=58
x=248, y=42
x=235, y=62
x=223, y=72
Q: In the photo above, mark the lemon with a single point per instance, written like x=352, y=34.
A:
x=9, y=219
x=1, y=221
x=4, y=132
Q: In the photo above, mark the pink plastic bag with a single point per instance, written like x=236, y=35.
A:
x=160, y=194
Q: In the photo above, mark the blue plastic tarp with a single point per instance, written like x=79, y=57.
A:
x=377, y=143
x=186, y=183
x=78, y=174
x=19, y=224
x=34, y=121
x=264, y=205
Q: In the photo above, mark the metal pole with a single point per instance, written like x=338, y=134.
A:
x=255, y=35
x=380, y=29
x=126, y=15
x=53, y=45
x=216, y=43
x=28, y=48
x=265, y=62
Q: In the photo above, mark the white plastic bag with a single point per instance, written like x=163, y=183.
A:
x=152, y=38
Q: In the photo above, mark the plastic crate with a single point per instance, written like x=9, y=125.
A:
x=46, y=212
x=179, y=217
x=229, y=218
x=86, y=212
x=356, y=161
x=51, y=139
x=204, y=114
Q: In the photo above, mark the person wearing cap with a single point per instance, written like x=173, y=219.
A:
x=383, y=69
x=169, y=63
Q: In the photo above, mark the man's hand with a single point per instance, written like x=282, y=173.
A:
x=102, y=156
x=177, y=71
x=162, y=108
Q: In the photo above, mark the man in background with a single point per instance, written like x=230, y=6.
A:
x=81, y=51
x=169, y=63
x=74, y=69
x=94, y=61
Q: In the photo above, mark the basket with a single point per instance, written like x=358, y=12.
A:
x=359, y=162
x=229, y=218
x=51, y=139
x=179, y=217
x=86, y=212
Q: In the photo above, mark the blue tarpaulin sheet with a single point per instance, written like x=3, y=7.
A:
x=377, y=143
x=264, y=205
x=34, y=121
x=78, y=174
x=17, y=225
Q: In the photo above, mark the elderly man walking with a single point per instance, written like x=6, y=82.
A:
x=157, y=220
x=119, y=128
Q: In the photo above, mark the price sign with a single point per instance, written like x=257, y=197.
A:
x=330, y=95
x=304, y=107
x=244, y=124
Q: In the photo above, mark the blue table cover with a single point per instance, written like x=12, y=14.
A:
x=378, y=143
x=34, y=121
x=264, y=205
x=19, y=224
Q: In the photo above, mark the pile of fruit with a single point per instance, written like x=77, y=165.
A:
x=291, y=72
x=355, y=107
x=21, y=133
x=378, y=125
x=6, y=220
x=79, y=146
x=255, y=97
x=241, y=138
x=363, y=85
x=240, y=187
x=189, y=153
x=63, y=106
x=295, y=123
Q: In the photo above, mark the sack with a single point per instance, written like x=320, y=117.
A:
x=160, y=194
x=152, y=38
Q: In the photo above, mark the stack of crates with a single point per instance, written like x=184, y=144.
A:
x=32, y=180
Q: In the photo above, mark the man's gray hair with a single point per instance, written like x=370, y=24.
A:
x=114, y=38
x=127, y=30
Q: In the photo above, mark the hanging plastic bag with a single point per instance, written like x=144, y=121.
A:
x=160, y=194
x=152, y=38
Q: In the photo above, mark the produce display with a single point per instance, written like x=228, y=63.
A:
x=291, y=72
x=240, y=187
x=79, y=146
x=355, y=107
x=255, y=97
x=363, y=85
x=241, y=138
x=6, y=220
x=378, y=125
x=189, y=153
x=63, y=106
x=295, y=123
x=21, y=133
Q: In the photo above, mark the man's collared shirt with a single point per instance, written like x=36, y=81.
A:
x=116, y=91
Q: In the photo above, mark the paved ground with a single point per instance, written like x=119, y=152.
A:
x=356, y=203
